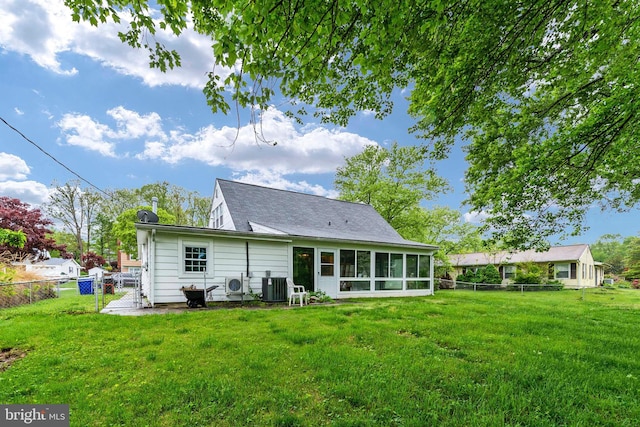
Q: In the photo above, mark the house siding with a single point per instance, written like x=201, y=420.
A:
x=226, y=258
x=218, y=201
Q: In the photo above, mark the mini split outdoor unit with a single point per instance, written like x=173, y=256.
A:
x=235, y=285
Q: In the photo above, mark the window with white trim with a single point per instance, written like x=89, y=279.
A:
x=388, y=265
x=195, y=259
x=356, y=265
x=218, y=217
x=562, y=271
x=509, y=271
x=418, y=271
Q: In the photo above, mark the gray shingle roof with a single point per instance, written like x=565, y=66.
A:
x=300, y=214
x=554, y=254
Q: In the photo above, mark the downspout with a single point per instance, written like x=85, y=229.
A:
x=152, y=256
x=247, y=253
x=152, y=268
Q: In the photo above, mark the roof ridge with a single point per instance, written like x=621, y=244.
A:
x=292, y=192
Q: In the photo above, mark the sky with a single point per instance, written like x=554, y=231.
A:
x=92, y=108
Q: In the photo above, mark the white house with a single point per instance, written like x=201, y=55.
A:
x=572, y=265
x=259, y=236
x=97, y=272
x=54, y=268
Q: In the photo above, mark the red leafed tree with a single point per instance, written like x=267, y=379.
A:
x=92, y=259
x=18, y=216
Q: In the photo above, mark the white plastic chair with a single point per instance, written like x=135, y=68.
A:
x=297, y=291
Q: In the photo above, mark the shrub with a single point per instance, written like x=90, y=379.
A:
x=529, y=273
x=470, y=276
x=527, y=278
x=490, y=274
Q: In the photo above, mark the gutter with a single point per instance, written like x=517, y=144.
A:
x=286, y=238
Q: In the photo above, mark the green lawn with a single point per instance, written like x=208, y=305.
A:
x=456, y=359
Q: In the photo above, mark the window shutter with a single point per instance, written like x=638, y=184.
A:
x=574, y=268
x=501, y=270
x=551, y=271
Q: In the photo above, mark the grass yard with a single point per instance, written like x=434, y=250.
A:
x=456, y=359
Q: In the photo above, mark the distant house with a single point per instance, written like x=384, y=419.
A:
x=126, y=264
x=573, y=265
x=54, y=268
x=97, y=272
x=259, y=236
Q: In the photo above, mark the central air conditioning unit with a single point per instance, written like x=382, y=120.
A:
x=235, y=285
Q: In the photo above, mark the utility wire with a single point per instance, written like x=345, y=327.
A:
x=53, y=158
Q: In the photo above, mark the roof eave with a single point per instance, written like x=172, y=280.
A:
x=276, y=237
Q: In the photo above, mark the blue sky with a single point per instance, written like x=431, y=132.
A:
x=96, y=106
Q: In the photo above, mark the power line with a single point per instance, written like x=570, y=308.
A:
x=53, y=158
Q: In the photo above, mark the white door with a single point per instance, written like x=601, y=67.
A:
x=327, y=281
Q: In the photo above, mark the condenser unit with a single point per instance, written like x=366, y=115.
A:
x=236, y=285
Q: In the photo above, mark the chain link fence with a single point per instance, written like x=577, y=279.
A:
x=519, y=287
x=126, y=288
x=21, y=293
x=118, y=289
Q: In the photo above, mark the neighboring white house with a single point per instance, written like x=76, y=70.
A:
x=54, y=268
x=96, y=272
x=258, y=236
x=573, y=265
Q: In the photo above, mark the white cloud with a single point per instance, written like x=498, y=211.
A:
x=276, y=180
x=13, y=174
x=133, y=125
x=475, y=217
x=311, y=150
x=13, y=167
x=32, y=192
x=83, y=131
x=36, y=28
x=18, y=111
x=43, y=30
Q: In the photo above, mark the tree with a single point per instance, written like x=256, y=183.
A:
x=15, y=239
x=104, y=242
x=394, y=182
x=66, y=239
x=92, y=259
x=544, y=91
x=633, y=259
x=19, y=217
x=444, y=227
x=198, y=210
x=610, y=250
x=187, y=207
x=76, y=208
x=125, y=231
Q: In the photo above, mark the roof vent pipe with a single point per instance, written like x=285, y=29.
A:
x=154, y=205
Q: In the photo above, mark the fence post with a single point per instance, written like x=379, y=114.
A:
x=95, y=292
